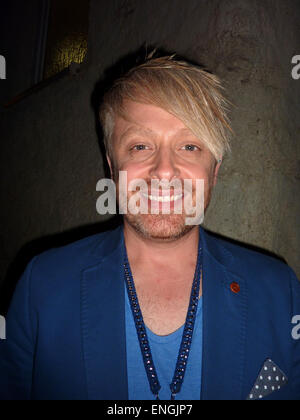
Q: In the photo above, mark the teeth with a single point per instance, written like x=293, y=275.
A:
x=162, y=199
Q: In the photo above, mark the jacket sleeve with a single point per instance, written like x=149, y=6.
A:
x=295, y=288
x=17, y=350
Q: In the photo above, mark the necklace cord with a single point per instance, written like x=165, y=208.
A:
x=187, y=335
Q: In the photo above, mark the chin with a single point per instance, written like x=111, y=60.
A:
x=163, y=227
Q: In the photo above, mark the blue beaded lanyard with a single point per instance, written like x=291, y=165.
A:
x=187, y=335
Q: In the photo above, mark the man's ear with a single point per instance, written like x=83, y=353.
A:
x=216, y=171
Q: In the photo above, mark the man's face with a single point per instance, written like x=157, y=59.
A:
x=151, y=144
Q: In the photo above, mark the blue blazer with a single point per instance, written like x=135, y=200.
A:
x=65, y=331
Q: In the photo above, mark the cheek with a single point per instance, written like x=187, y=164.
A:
x=134, y=170
x=204, y=173
x=197, y=173
x=128, y=174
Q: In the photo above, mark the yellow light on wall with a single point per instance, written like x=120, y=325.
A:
x=67, y=40
x=72, y=48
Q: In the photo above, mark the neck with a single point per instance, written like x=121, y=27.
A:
x=158, y=252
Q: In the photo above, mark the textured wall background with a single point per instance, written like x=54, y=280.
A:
x=50, y=158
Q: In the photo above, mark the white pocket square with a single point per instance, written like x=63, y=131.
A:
x=270, y=379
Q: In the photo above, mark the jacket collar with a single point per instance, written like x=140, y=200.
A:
x=113, y=240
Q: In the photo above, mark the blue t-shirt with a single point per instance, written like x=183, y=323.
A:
x=164, y=351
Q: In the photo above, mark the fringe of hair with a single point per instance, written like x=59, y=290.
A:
x=191, y=94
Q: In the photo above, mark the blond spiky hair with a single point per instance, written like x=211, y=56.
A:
x=185, y=90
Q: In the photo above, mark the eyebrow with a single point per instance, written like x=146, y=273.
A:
x=150, y=133
x=137, y=129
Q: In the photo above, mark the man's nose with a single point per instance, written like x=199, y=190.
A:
x=164, y=165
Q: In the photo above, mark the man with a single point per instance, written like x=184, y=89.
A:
x=157, y=308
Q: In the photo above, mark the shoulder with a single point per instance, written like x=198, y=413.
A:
x=58, y=270
x=257, y=267
x=80, y=253
x=270, y=287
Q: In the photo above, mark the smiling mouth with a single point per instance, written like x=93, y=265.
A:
x=162, y=199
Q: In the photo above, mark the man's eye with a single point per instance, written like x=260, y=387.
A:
x=139, y=147
x=190, y=147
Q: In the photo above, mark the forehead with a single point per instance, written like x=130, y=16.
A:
x=147, y=119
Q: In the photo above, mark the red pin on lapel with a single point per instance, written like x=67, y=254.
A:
x=235, y=287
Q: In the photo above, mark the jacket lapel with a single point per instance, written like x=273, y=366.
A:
x=224, y=325
x=103, y=322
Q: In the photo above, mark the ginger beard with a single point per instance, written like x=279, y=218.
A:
x=164, y=227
